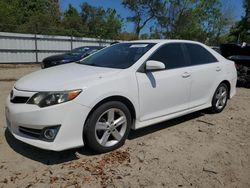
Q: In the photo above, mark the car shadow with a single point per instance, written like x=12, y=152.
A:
x=52, y=157
x=163, y=125
x=151, y=79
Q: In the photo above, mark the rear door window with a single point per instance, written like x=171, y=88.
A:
x=199, y=55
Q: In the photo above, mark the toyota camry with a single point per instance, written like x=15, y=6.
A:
x=130, y=85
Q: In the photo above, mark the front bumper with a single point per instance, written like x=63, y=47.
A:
x=70, y=116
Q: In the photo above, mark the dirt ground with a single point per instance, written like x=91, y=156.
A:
x=197, y=150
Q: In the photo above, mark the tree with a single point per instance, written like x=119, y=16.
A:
x=176, y=12
x=73, y=23
x=212, y=19
x=41, y=16
x=100, y=22
x=187, y=27
x=29, y=16
x=144, y=36
x=240, y=32
x=126, y=36
x=143, y=12
x=8, y=18
x=199, y=20
x=113, y=24
x=93, y=17
x=180, y=20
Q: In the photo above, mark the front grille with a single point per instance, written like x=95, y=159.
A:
x=31, y=132
x=19, y=100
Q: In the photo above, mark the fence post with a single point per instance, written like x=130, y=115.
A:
x=71, y=39
x=36, y=51
x=71, y=42
x=100, y=40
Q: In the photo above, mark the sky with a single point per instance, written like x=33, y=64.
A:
x=235, y=6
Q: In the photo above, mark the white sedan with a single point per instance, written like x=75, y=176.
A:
x=128, y=85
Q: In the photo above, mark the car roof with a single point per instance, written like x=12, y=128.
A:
x=158, y=41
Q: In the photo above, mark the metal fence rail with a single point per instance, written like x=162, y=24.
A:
x=32, y=48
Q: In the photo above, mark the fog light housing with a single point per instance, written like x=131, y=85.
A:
x=49, y=133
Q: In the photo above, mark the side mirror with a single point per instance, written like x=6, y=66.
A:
x=154, y=65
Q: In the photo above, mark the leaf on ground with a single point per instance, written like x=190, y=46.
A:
x=53, y=179
x=5, y=180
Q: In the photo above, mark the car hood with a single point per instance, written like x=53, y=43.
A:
x=65, y=77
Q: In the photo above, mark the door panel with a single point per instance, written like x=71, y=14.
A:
x=163, y=92
x=203, y=81
x=205, y=71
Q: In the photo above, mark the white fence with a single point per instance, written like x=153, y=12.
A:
x=32, y=48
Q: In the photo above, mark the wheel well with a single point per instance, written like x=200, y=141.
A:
x=228, y=86
x=124, y=100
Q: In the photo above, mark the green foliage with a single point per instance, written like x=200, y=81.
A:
x=201, y=20
x=113, y=24
x=101, y=23
x=240, y=32
x=144, y=36
x=127, y=36
x=144, y=11
x=8, y=18
x=29, y=16
x=44, y=17
x=211, y=19
x=72, y=22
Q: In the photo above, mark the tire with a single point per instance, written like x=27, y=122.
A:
x=220, y=97
x=107, y=127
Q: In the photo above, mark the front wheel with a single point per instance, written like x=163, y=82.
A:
x=220, y=97
x=108, y=126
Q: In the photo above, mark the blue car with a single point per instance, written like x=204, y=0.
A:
x=72, y=56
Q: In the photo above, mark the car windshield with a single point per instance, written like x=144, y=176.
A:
x=78, y=51
x=120, y=56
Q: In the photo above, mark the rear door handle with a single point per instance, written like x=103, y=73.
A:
x=218, y=69
x=186, y=75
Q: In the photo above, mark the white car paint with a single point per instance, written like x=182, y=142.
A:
x=156, y=96
x=155, y=88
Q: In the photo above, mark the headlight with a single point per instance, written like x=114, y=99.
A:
x=43, y=99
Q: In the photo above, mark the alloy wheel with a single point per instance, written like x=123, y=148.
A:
x=110, y=127
x=221, y=97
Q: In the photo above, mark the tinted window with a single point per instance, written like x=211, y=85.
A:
x=199, y=55
x=171, y=55
x=120, y=56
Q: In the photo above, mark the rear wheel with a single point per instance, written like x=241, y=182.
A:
x=220, y=97
x=108, y=126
